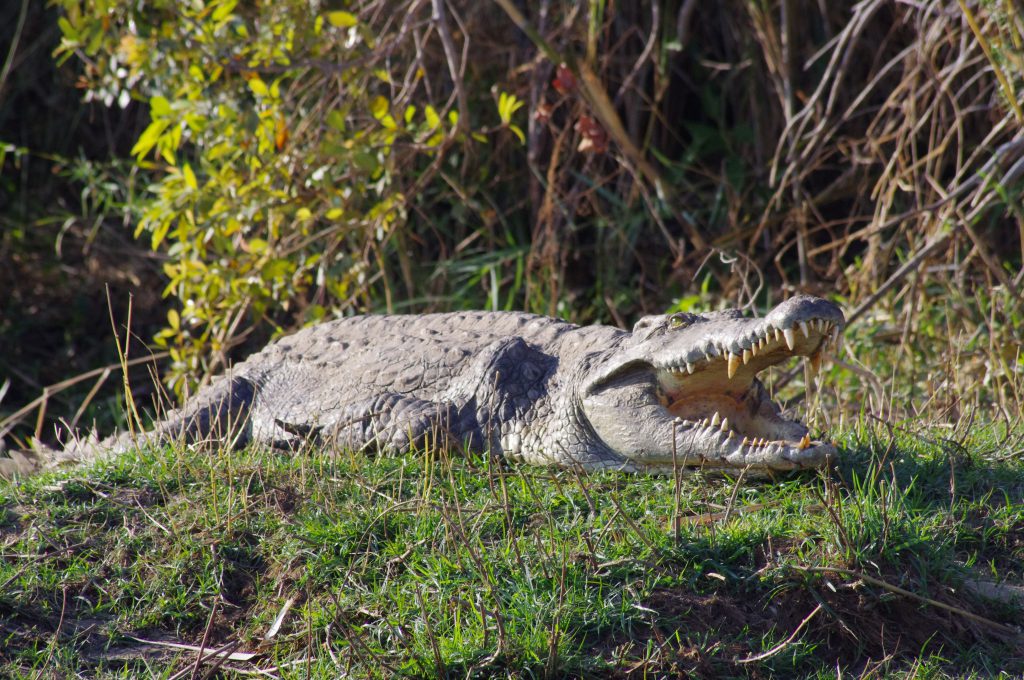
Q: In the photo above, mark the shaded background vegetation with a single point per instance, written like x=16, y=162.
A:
x=229, y=171
x=211, y=174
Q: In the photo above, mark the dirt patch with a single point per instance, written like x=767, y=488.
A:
x=855, y=627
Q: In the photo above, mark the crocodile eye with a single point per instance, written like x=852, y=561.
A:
x=680, y=320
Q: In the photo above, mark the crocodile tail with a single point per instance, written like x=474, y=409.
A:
x=15, y=463
x=39, y=457
x=24, y=462
x=220, y=413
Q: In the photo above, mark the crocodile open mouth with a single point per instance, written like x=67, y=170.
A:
x=717, y=399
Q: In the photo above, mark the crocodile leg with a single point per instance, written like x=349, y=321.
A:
x=218, y=414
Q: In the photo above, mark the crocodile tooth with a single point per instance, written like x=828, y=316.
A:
x=804, y=329
x=714, y=420
x=754, y=349
x=745, y=441
x=689, y=368
x=790, y=338
x=747, y=353
x=734, y=364
x=805, y=442
x=814, y=361
x=778, y=335
x=725, y=425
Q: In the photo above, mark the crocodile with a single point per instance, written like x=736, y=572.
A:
x=679, y=391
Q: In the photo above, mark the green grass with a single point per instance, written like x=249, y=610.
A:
x=444, y=566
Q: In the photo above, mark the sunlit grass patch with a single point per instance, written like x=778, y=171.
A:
x=440, y=565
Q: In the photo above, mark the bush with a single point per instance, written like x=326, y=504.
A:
x=309, y=160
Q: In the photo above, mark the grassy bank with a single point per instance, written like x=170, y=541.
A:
x=438, y=566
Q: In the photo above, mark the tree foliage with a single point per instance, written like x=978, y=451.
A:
x=594, y=160
x=281, y=146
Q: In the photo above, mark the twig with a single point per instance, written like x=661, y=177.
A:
x=58, y=387
x=652, y=40
x=601, y=104
x=13, y=49
x=206, y=637
x=732, y=496
x=785, y=643
x=60, y=625
x=438, y=663
x=996, y=64
x=453, y=61
x=909, y=266
x=1009, y=630
x=632, y=525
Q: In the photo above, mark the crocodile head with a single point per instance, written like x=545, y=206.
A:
x=682, y=390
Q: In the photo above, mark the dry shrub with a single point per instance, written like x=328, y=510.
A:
x=723, y=153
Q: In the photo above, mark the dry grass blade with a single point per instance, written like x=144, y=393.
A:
x=226, y=651
x=7, y=422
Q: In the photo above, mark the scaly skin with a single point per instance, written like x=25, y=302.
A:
x=528, y=387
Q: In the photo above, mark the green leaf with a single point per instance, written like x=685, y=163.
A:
x=159, y=233
x=190, y=177
x=367, y=162
x=342, y=19
x=508, y=104
x=69, y=32
x=379, y=107
x=149, y=137
x=223, y=10
x=258, y=87
x=433, y=120
x=518, y=133
x=159, y=106
x=336, y=119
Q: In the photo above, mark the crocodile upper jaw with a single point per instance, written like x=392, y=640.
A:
x=721, y=396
